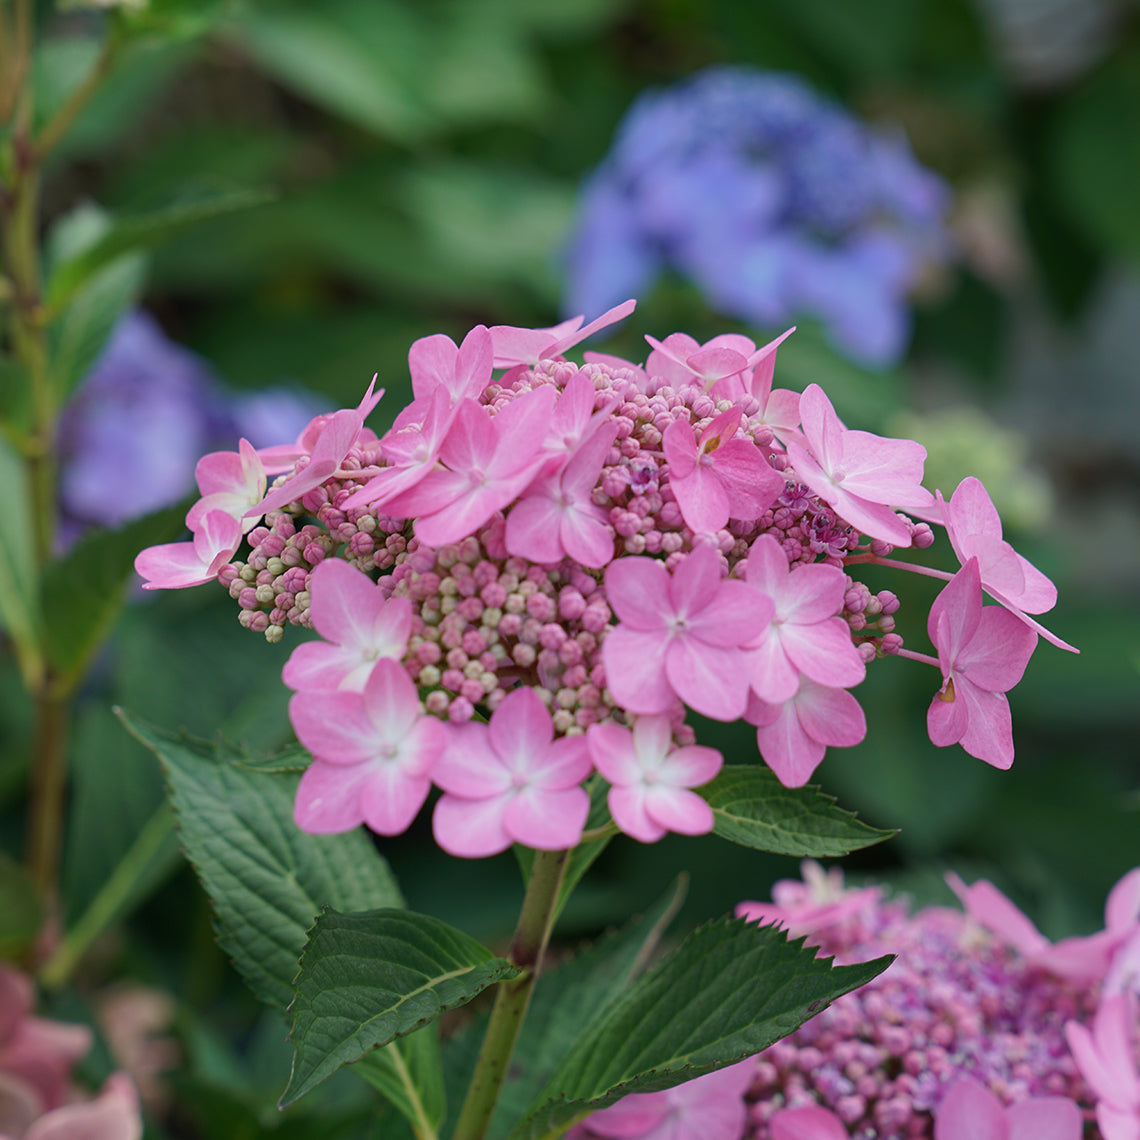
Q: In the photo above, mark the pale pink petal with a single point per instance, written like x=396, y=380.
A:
x=787, y=749
x=612, y=752
x=609, y=317
x=520, y=429
x=1122, y=907
x=471, y=829
x=390, y=798
x=177, y=565
x=969, y=1111
x=946, y=721
x=431, y=363
x=631, y=1117
x=17, y=996
x=334, y=726
x=763, y=361
x=587, y=537
x=807, y=1122
x=884, y=470
x=347, y=607
x=810, y=594
x=1045, y=1118
x=678, y=809
x=468, y=766
x=689, y=766
x=824, y=652
x=328, y=798
x=832, y=717
x=771, y=673
x=750, y=480
x=315, y=665
x=637, y=589
x=1114, y=1030
x=989, y=727
x=627, y=806
x=1117, y=1123
x=695, y=584
x=521, y=730
x=635, y=669
x=767, y=570
x=534, y=530
x=997, y=654
x=390, y=699
x=565, y=764
x=702, y=499
x=679, y=444
x=822, y=428
x=546, y=819
x=112, y=1115
x=955, y=613
x=712, y=363
x=710, y=680
x=987, y=906
x=471, y=439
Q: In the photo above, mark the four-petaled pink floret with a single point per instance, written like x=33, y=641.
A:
x=650, y=779
x=510, y=781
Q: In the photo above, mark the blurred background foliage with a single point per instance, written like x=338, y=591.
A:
x=422, y=160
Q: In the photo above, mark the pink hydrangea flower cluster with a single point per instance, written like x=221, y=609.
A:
x=581, y=554
x=980, y=1030
x=37, y=1098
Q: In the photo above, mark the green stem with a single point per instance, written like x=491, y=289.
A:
x=113, y=895
x=48, y=783
x=513, y=997
x=79, y=98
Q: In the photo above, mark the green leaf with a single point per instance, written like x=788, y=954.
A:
x=267, y=880
x=568, y=998
x=408, y=1072
x=83, y=591
x=129, y=234
x=727, y=992
x=20, y=914
x=751, y=807
x=369, y=978
x=18, y=586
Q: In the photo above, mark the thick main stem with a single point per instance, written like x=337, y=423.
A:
x=513, y=997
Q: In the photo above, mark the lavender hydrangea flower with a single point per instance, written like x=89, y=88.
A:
x=132, y=434
x=776, y=202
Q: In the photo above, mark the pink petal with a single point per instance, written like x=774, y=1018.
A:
x=751, y=482
x=349, y=608
x=767, y=569
x=764, y=366
x=390, y=798
x=627, y=806
x=471, y=829
x=946, y=721
x=470, y=441
x=702, y=499
x=316, y=665
x=469, y=767
x=771, y=674
x=565, y=764
x=587, y=537
x=637, y=590
x=1114, y=1030
x=989, y=729
x=1045, y=1118
x=822, y=428
x=955, y=613
x=787, y=749
x=1117, y=1124
x=612, y=752
x=549, y=820
x=635, y=670
x=334, y=726
x=689, y=766
x=987, y=906
x=711, y=363
x=678, y=809
x=609, y=317
x=534, y=530
x=997, y=654
x=710, y=680
x=112, y=1115
x=695, y=584
x=328, y=798
x=631, y=1117
x=177, y=565
x=887, y=471
x=807, y=1122
x=680, y=447
x=810, y=594
x=824, y=652
x=521, y=730
x=1122, y=907
x=391, y=699
x=831, y=716
x=969, y=1111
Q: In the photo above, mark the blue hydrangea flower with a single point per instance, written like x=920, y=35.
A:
x=143, y=416
x=777, y=203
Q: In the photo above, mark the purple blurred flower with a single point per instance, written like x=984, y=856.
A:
x=776, y=202
x=146, y=412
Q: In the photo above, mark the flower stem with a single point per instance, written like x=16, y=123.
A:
x=913, y=567
x=512, y=998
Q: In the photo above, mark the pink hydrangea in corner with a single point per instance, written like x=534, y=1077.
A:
x=626, y=541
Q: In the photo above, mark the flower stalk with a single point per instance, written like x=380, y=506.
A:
x=512, y=998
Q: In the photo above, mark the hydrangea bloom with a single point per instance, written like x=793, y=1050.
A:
x=961, y=1038
x=775, y=201
x=625, y=541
